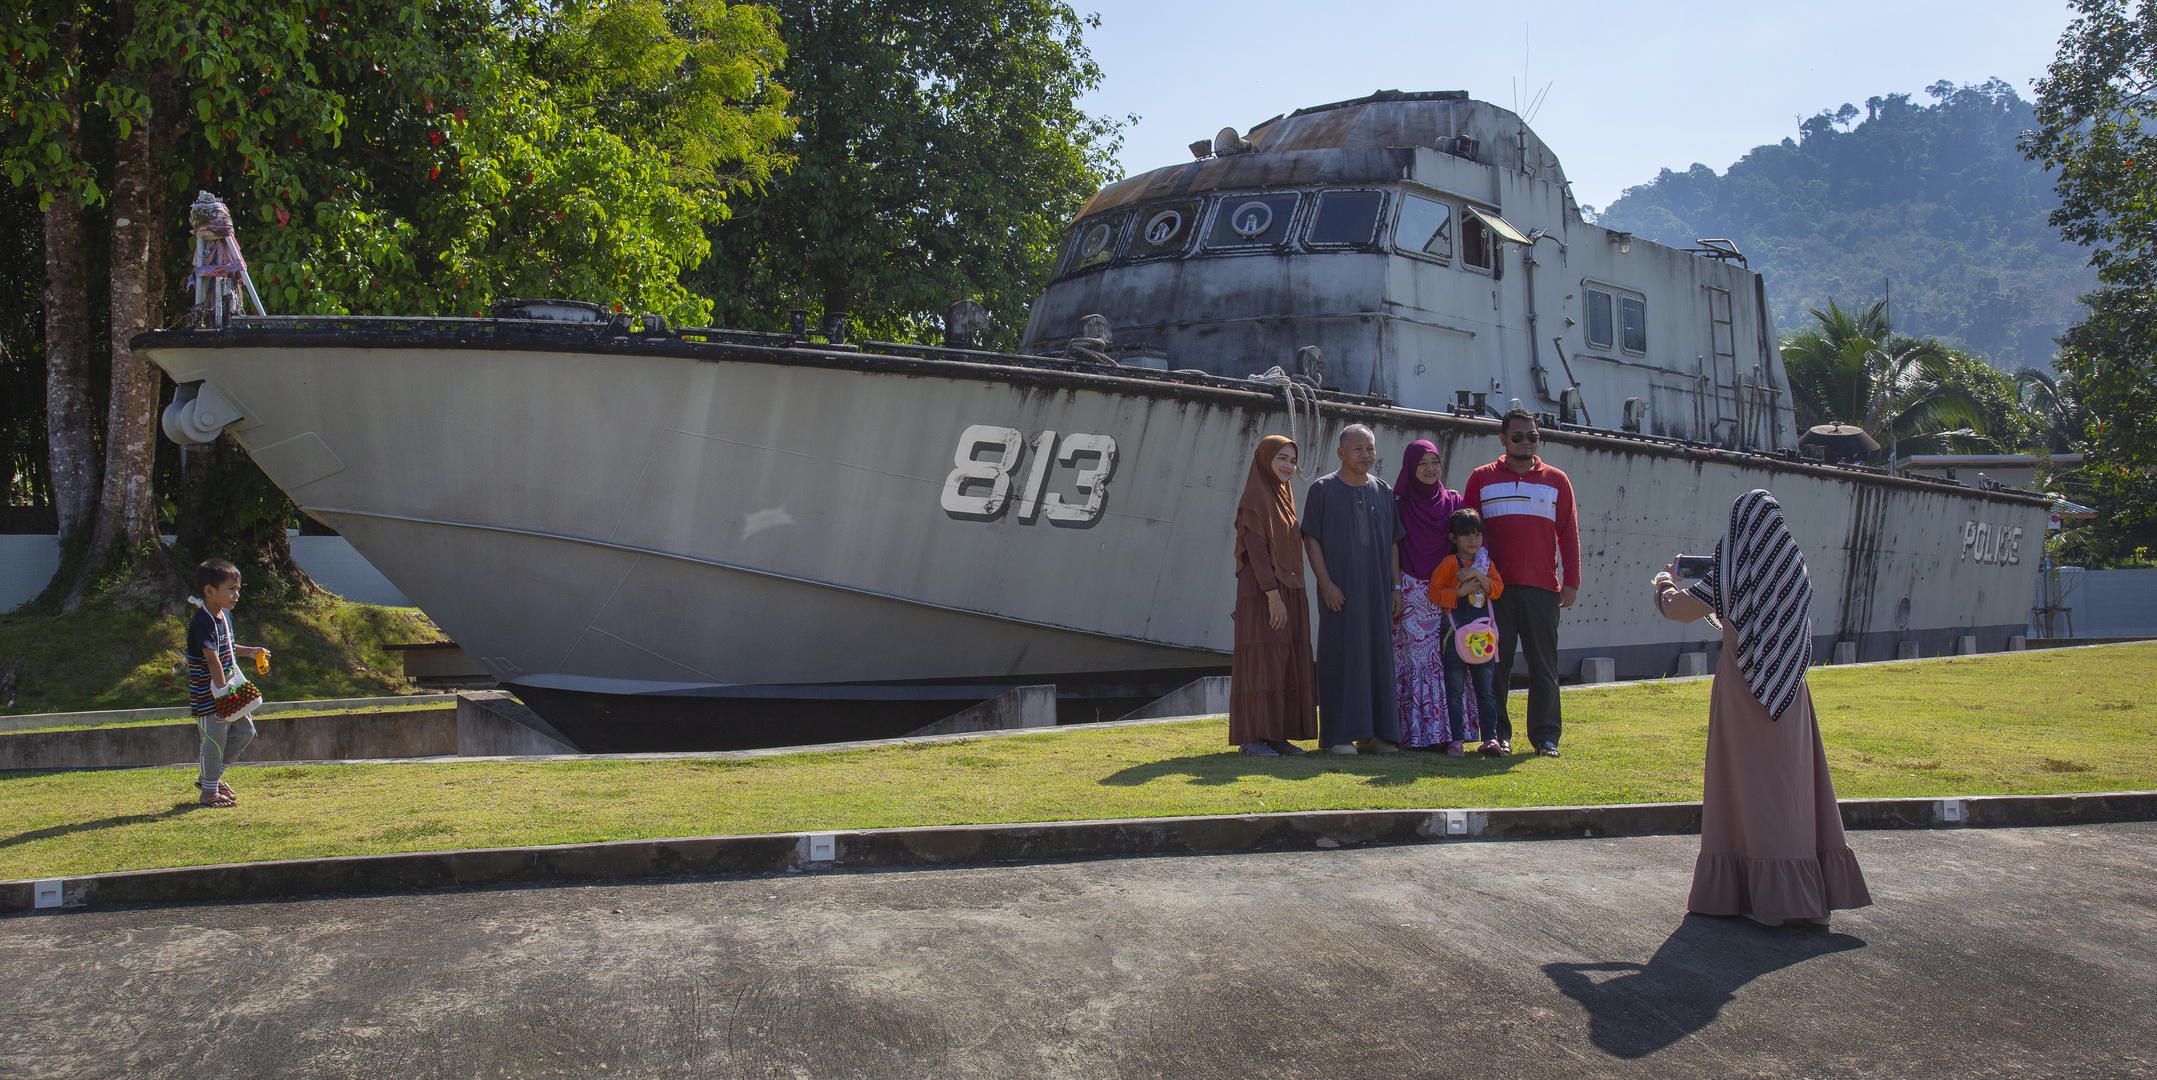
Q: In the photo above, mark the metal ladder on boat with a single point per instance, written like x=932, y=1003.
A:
x=1723, y=364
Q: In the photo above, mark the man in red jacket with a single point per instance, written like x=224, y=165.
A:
x=1534, y=538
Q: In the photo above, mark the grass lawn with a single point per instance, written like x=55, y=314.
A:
x=323, y=647
x=2051, y=721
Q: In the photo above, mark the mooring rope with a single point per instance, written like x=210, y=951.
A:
x=1302, y=401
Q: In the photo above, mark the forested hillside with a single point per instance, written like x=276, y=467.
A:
x=1935, y=197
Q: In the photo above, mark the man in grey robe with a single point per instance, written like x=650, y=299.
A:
x=1350, y=528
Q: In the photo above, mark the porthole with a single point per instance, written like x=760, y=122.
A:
x=1252, y=221
x=1163, y=227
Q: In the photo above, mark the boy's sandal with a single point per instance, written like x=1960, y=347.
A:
x=217, y=799
x=225, y=790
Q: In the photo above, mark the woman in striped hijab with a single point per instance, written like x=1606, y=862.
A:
x=1771, y=839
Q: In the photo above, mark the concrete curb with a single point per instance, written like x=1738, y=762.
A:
x=34, y=721
x=676, y=755
x=953, y=845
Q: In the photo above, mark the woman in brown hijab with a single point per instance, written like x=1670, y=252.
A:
x=1272, y=693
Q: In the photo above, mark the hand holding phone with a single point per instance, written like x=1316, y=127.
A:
x=1695, y=567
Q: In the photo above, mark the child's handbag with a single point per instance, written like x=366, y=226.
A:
x=240, y=698
x=1477, y=641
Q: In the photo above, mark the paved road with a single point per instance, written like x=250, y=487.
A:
x=2014, y=952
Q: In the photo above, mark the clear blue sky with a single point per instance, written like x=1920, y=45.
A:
x=1633, y=87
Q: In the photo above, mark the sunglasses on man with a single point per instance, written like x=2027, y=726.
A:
x=1526, y=436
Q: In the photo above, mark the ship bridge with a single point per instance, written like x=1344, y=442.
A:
x=1428, y=245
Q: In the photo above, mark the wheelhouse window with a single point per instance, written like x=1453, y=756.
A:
x=1093, y=242
x=1426, y=228
x=1164, y=229
x=1617, y=320
x=1633, y=324
x=1475, y=242
x=1600, y=320
x=1346, y=217
x=1251, y=221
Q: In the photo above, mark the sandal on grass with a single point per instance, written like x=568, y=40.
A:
x=217, y=799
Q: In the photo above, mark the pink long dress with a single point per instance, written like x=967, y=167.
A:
x=1771, y=838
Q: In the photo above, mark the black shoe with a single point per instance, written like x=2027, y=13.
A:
x=1548, y=750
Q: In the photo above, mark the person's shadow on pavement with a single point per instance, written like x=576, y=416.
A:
x=1683, y=987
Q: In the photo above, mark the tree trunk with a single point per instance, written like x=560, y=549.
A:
x=127, y=513
x=71, y=450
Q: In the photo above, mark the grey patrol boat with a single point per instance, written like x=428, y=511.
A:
x=669, y=538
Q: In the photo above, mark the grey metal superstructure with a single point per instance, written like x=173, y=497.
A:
x=1378, y=246
x=620, y=512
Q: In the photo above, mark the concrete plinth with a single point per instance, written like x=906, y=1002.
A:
x=491, y=723
x=1019, y=707
x=1846, y=652
x=1692, y=663
x=1906, y=650
x=1966, y=645
x=1200, y=697
x=2018, y=643
x=1598, y=669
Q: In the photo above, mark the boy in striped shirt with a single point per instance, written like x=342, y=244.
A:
x=212, y=665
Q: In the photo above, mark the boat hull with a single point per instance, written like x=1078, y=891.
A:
x=638, y=518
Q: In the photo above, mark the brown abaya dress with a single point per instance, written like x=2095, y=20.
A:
x=1771, y=838
x=1272, y=687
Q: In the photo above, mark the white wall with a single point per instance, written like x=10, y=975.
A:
x=333, y=564
x=2110, y=603
x=27, y=563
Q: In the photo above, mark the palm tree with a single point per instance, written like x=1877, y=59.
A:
x=1906, y=391
x=2055, y=406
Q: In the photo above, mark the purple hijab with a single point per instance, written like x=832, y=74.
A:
x=1425, y=509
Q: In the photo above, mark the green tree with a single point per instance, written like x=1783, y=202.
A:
x=386, y=156
x=40, y=150
x=941, y=152
x=1915, y=394
x=2095, y=114
x=2058, y=419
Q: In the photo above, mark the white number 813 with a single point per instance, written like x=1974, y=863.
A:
x=962, y=496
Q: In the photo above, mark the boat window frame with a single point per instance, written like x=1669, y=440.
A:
x=1618, y=294
x=1118, y=220
x=1587, y=318
x=1490, y=245
x=1145, y=213
x=1623, y=347
x=1379, y=220
x=1452, y=207
x=1226, y=202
